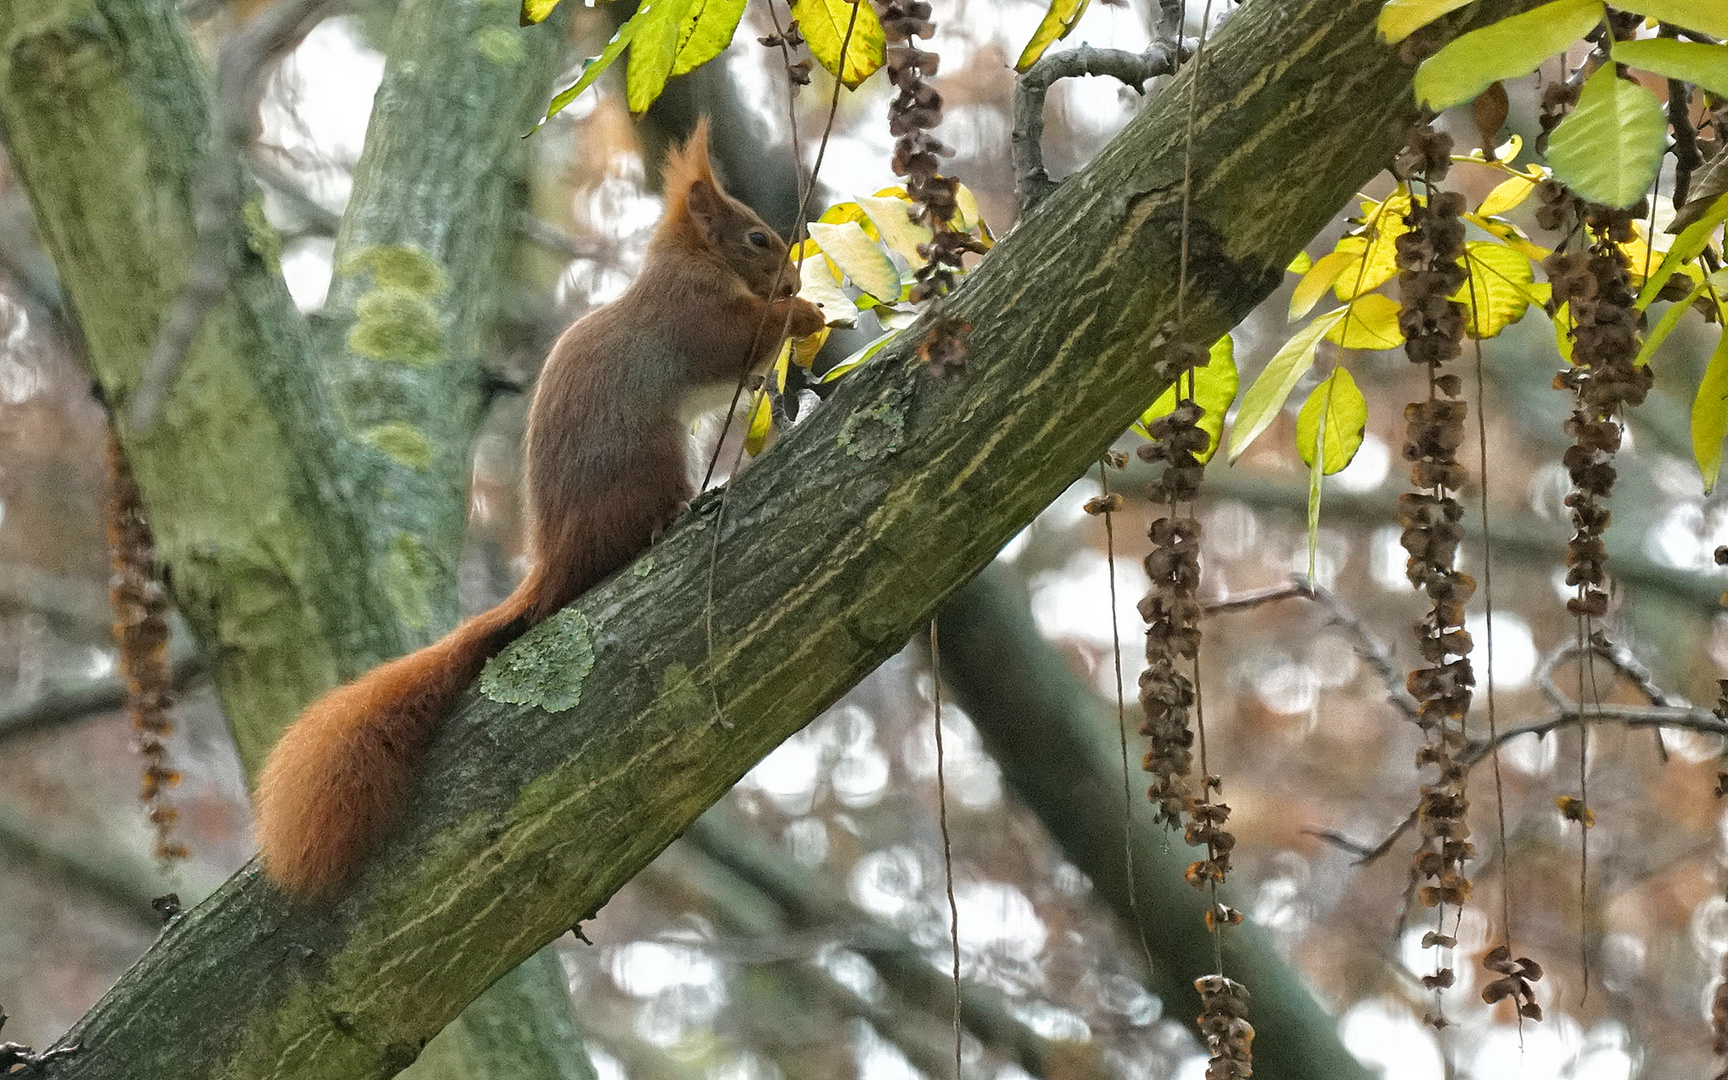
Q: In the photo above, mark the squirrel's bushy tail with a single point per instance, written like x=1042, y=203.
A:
x=340, y=773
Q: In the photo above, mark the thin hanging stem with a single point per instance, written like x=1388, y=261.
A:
x=1122, y=722
x=947, y=840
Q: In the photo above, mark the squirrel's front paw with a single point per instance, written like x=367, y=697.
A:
x=803, y=317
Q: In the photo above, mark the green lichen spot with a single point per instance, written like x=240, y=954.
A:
x=399, y=266
x=261, y=236
x=409, y=574
x=872, y=432
x=401, y=442
x=644, y=566
x=396, y=324
x=682, y=696
x=546, y=667
x=500, y=44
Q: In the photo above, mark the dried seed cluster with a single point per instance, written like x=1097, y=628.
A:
x=1431, y=269
x=1224, y=1023
x=917, y=108
x=1169, y=607
x=1430, y=259
x=1603, y=380
x=1172, y=636
x=1516, y=977
x=140, y=606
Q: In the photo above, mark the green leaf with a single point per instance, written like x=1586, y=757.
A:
x=705, y=33
x=1401, y=18
x=1215, y=387
x=1058, y=23
x=859, y=258
x=1687, y=245
x=1689, y=61
x=824, y=24
x=1710, y=415
x=1329, y=428
x=653, y=50
x=595, y=66
x=1665, y=326
x=1498, y=290
x=1329, y=431
x=858, y=358
x=536, y=11
x=1512, y=47
x=897, y=230
x=1609, y=148
x=1301, y=264
x=1370, y=322
x=1260, y=405
x=1706, y=16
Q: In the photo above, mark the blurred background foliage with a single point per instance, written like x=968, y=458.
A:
x=754, y=948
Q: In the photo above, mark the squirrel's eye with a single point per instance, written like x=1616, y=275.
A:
x=758, y=238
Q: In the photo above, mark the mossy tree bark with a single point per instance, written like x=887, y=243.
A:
x=305, y=482
x=642, y=704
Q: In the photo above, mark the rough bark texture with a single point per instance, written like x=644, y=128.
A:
x=105, y=111
x=676, y=676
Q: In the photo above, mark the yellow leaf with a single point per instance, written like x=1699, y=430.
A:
x=1377, y=242
x=1507, y=194
x=820, y=284
x=830, y=24
x=1401, y=18
x=1215, y=387
x=1322, y=275
x=804, y=350
x=1301, y=264
x=536, y=11
x=1510, y=235
x=1370, y=322
x=1563, y=331
x=1058, y=22
x=1498, y=290
x=761, y=422
x=653, y=51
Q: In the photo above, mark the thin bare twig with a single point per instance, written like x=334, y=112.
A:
x=1373, y=651
x=1677, y=717
x=66, y=704
x=219, y=191
x=1364, y=853
x=1132, y=68
x=1620, y=658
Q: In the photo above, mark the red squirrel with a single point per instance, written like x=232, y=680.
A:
x=607, y=471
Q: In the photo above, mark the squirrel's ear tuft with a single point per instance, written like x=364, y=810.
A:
x=688, y=165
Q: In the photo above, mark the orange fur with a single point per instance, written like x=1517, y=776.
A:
x=686, y=166
x=606, y=473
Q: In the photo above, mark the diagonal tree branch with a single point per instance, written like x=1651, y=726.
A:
x=832, y=548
